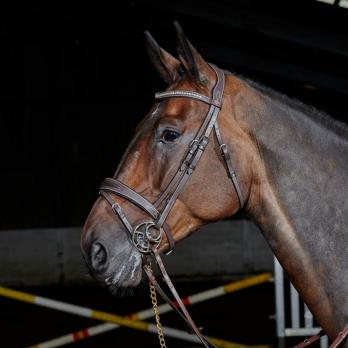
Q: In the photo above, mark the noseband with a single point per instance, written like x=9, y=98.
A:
x=147, y=236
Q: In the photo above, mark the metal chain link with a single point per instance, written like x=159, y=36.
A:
x=153, y=296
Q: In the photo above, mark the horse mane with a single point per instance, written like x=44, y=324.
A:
x=318, y=116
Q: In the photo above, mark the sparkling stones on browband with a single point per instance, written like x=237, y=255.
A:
x=188, y=94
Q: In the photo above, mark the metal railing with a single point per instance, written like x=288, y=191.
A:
x=295, y=327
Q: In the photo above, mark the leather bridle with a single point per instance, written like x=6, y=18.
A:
x=147, y=236
x=142, y=235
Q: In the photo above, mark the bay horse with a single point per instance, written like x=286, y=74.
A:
x=290, y=169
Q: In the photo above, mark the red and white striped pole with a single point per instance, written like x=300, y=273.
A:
x=148, y=313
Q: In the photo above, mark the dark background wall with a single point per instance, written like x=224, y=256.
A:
x=76, y=81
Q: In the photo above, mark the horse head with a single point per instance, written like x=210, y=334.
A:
x=153, y=160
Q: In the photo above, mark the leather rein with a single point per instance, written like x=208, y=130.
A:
x=147, y=236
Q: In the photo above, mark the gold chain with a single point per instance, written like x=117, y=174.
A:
x=153, y=296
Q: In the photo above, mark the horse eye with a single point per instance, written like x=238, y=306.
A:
x=169, y=136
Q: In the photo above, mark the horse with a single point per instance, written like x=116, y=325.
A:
x=290, y=169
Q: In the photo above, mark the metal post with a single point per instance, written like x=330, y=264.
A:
x=308, y=317
x=295, y=307
x=296, y=328
x=280, y=308
x=324, y=341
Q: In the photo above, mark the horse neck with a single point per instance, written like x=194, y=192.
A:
x=300, y=203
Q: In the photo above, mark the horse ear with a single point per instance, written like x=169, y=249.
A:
x=166, y=65
x=193, y=62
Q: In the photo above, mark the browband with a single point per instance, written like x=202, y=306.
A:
x=188, y=94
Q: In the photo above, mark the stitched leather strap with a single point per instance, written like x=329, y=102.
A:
x=340, y=337
x=120, y=189
x=338, y=340
x=187, y=94
x=190, y=166
x=227, y=158
x=308, y=341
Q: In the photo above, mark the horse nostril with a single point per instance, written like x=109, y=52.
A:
x=99, y=256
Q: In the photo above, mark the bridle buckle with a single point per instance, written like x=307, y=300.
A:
x=203, y=142
x=193, y=142
x=144, y=237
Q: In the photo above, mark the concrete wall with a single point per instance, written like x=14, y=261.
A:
x=52, y=256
